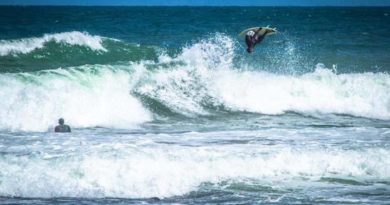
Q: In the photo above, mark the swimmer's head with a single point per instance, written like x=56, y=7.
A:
x=61, y=121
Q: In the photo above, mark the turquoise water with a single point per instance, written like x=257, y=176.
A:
x=167, y=107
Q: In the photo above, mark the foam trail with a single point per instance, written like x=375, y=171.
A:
x=86, y=96
x=27, y=45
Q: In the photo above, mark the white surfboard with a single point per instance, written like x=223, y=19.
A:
x=262, y=30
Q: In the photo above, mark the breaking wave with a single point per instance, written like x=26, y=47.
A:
x=202, y=78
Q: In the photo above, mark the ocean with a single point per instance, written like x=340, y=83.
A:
x=166, y=106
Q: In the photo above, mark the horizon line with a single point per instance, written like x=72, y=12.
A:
x=125, y=5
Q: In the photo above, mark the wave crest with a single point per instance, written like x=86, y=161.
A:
x=27, y=45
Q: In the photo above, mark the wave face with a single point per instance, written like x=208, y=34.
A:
x=200, y=80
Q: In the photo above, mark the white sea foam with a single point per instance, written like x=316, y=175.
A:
x=27, y=45
x=148, y=170
x=86, y=97
x=322, y=91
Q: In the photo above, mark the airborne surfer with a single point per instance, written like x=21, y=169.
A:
x=255, y=35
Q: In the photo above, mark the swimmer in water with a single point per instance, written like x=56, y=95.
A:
x=62, y=127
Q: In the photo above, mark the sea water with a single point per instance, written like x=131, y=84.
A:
x=166, y=106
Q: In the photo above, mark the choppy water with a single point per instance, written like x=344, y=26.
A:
x=166, y=107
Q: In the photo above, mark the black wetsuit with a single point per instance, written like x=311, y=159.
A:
x=62, y=128
x=251, y=41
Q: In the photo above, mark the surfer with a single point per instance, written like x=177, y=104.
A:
x=62, y=127
x=254, y=37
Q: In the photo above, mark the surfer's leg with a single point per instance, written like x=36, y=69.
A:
x=249, y=43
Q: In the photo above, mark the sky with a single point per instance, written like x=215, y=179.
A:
x=201, y=2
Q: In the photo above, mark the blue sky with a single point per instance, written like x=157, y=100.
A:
x=203, y=2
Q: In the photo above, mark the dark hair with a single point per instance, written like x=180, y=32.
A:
x=61, y=121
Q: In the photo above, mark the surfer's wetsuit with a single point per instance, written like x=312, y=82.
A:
x=252, y=38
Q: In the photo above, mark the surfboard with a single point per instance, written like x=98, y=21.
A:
x=262, y=31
